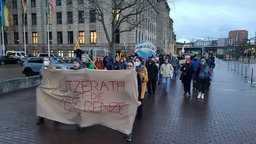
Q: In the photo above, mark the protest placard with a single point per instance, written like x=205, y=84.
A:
x=89, y=97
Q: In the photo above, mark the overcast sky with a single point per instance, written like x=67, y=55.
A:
x=205, y=19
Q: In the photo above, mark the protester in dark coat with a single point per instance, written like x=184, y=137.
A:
x=195, y=62
x=108, y=61
x=203, y=76
x=152, y=76
x=186, y=76
x=120, y=65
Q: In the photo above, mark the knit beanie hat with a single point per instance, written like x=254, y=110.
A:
x=76, y=59
x=188, y=59
x=203, y=60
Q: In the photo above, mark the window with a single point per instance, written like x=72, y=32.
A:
x=59, y=18
x=93, y=37
x=33, y=3
x=117, y=36
x=80, y=16
x=25, y=19
x=16, y=38
x=15, y=19
x=80, y=1
x=69, y=18
x=60, y=53
x=59, y=37
x=69, y=2
x=70, y=37
x=92, y=16
x=35, y=37
x=26, y=36
x=70, y=54
x=81, y=37
x=14, y=4
x=58, y=2
x=34, y=19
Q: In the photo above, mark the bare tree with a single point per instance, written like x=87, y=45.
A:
x=119, y=16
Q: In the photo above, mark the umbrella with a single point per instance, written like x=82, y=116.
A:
x=145, y=49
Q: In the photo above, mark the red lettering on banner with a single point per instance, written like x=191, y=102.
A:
x=113, y=85
x=76, y=90
x=120, y=85
x=95, y=96
x=95, y=86
x=103, y=84
x=99, y=106
x=85, y=87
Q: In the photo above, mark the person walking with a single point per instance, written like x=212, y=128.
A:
x=166, y=70
x=130, y=66
x=195, y=62
x=186, y=76
x=143, y=73
x=152, y=76
x=203, y=75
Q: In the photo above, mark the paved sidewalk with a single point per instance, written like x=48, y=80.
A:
x=226, y=116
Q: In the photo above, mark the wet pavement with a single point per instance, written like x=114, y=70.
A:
x=226, y=116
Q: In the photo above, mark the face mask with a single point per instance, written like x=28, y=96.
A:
x=46, y=63
x=136, y=64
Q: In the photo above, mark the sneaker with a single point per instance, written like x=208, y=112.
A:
x=202, y=96
x=189, y=94
x=199, y=95
x=129, y=137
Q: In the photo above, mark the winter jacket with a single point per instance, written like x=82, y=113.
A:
x=166, y=70
x=195, y=63
x=152, y=71
x=187, y=71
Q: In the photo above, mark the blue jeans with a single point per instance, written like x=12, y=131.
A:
x=166, y=83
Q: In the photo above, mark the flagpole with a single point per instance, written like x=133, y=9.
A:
x=2, y=32
x=48, y=39
x=3, y=39
x=24, y=34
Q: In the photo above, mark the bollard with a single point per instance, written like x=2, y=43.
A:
x=235, y=67
x=245, y=73
x=238, y=69
x=252, y=77
x=228, y=65
x=242, y=70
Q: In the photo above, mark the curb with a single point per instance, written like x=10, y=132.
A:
x=18, y=83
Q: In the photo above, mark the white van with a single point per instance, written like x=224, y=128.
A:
x=15, y=54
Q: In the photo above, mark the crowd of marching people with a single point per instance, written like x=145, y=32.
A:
x=158, y=69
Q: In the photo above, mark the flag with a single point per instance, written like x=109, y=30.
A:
x=50, y=11
x=5, y=12
x=24, y=5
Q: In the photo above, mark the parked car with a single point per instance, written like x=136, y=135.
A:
x=51, y=55
x=33, y=65
x=7, y=60
x=18, y=55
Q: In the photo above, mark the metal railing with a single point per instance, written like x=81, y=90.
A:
x=246, y=71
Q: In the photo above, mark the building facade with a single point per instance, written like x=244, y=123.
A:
x=238, y=37
x=75, y=25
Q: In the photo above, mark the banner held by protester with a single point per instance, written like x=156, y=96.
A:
x=89, y=97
